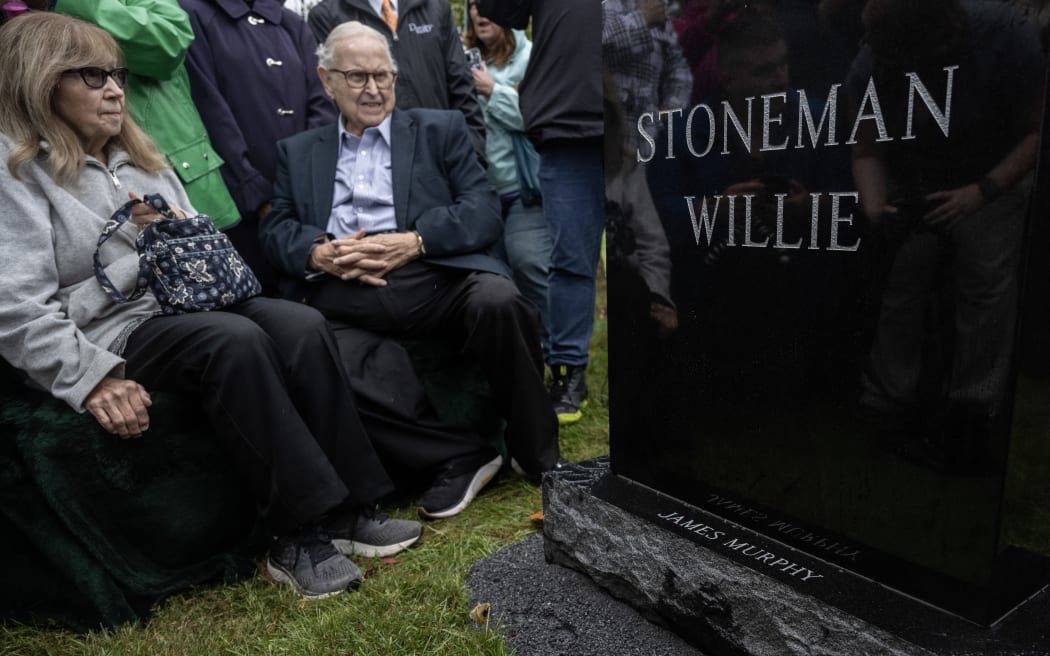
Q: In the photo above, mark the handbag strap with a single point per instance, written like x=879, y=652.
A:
x=119, y=218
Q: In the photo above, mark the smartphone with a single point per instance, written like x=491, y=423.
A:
x=473, y=58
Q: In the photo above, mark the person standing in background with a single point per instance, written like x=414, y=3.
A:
x=526, y=243
x=301, y=7
x=251, y=70
x=561, y=103
x=155, y=35
x=641, y=51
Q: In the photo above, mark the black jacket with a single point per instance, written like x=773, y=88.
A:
x=561, y=93
x=432, y=71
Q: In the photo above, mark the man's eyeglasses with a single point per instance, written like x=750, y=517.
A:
x=95, y=77
x=359, y=79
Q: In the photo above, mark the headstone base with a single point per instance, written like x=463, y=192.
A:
x=711, y=596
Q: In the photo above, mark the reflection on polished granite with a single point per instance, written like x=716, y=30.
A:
x=852, y=238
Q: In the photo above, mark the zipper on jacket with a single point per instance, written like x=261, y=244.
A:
x=113, y=176
x=111, y=172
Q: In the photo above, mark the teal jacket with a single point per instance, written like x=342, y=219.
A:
x=154, y=35
x=502, y=116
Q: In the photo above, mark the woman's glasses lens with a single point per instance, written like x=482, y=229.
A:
x=95, y=77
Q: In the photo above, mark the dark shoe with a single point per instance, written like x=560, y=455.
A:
x=452, y=492
x=310, y=564
x=568, y=392
x=372, y=534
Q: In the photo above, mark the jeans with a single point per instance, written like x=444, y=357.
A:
x=526, y=247
x=573, y=185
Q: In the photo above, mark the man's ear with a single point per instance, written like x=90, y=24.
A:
x=323, y=74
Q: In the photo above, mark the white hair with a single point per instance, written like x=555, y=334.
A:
x=351, y=30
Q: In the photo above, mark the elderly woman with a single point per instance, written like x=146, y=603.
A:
x=266, y=371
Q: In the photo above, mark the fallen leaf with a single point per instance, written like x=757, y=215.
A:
x=480, y=614
x=536, y=516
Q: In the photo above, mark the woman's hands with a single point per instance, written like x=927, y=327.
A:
x=483, y=80
x=120, y=406
x=142, y=214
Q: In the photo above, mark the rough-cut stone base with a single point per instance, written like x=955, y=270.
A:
x=726, y=608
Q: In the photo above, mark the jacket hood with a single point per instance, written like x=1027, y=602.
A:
x=521, y=41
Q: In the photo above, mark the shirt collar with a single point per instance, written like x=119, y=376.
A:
x=383, y=128
x=271, y=10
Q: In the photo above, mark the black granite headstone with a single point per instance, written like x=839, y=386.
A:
x=829, y=294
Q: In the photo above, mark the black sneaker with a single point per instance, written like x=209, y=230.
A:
x=372, y=534
x=568, y=392
x=310, y=564
x=452, y=492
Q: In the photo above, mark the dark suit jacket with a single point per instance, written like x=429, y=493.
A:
x=440, y=191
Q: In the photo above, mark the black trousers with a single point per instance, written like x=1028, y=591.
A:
x=270, y=381
x=486, y=316
x=410, y=437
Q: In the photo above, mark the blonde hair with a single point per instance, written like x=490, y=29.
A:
x=38, y=48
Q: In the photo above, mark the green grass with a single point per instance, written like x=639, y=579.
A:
x=417, y=605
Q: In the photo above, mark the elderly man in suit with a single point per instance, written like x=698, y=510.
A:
x=383, y=221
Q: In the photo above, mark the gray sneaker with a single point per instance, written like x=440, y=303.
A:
x=372, y=534
x=310, y=564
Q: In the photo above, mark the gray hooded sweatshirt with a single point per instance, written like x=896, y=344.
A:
x=56, y=322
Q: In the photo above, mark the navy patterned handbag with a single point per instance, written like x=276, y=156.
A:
x=188, y=263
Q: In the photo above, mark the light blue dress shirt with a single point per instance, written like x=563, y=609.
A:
x=363, y=196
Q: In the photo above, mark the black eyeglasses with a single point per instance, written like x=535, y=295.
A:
x=359, y=79
x=95, y=77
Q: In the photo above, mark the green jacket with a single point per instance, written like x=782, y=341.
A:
x=154, y=35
